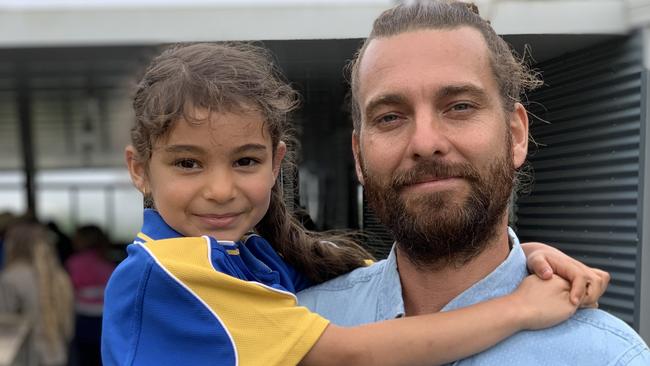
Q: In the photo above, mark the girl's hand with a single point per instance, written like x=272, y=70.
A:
x=587, y=284
x=543, y=303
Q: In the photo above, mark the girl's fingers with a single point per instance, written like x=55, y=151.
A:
x=596, y=288
x=587, y=284
x=540, y=266
x=578, y=289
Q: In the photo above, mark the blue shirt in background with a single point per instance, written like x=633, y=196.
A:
x=591, y=337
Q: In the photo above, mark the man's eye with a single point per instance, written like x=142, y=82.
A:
x=461, y=107
x=187, y=163
x=246, y=162
x=388, y=118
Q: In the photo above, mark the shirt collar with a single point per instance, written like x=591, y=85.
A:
x=502, y=281
x=390, y=304
x=154, y=227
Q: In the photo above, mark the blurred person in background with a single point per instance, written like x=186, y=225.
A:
x=89, y=269
x=33, y=284
x=6, y=218
x=62, y=243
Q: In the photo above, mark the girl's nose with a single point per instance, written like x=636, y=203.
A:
x=219, y=186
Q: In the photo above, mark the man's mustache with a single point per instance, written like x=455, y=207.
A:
x=428, y=169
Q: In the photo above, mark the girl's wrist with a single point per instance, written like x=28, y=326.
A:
x=516, y=308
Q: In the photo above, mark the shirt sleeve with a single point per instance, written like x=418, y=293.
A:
x=636, y=356
x=208, y=317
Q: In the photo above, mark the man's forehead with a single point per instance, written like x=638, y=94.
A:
x=457, y=56
x=464, y=38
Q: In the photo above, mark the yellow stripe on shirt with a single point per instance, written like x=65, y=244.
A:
x=265, y=324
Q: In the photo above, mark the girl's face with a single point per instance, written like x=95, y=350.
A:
x=213, y=177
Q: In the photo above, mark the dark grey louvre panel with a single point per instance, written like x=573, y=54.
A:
x=79, y=103
x=9, y=135
x=289, y=179
x=10, y=148
x=379, y=239
x=586, y=192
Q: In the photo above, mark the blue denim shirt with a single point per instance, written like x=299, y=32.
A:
x=590, y=337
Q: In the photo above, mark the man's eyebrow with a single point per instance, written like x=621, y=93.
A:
x=444, y=92
x=469, y=89
x=384, y=99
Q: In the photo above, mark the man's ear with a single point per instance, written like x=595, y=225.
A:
x=137, y=169
x=357, y=157
x=519, y=133
x=280, y=152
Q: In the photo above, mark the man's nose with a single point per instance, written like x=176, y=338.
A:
x=219, y=185
x=429, y=136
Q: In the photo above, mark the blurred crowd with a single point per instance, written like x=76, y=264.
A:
x=57, y=283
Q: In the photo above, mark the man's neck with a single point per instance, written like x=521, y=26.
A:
x=427, y=292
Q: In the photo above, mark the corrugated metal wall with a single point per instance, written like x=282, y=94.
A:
x=585, y=197
x=379, y=240
x=9, y=131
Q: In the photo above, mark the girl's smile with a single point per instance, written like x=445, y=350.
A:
x=211, y=176
x=220, y=222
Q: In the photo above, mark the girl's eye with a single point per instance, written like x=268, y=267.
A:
x=245, y=162
x=187, y=163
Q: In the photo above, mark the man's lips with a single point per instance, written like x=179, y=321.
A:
x=433, y=183
x=431, y=179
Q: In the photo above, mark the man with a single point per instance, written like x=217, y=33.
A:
x=439, y=134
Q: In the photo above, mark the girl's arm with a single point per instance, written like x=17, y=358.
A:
x=587, y=284
x=446, y=336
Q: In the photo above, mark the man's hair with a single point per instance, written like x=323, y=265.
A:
x=512, y=75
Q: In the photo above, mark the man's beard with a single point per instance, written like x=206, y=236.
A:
x=435, y=230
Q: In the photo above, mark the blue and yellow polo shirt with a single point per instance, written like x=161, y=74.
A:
x=195, y=301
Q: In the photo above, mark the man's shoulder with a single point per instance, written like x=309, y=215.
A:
x=596, y=320
x=590, y=337
x=360, y=277
x=359, y=289
x=608, y=337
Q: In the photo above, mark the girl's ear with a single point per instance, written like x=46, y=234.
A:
x=137, y=169
x=280, y=152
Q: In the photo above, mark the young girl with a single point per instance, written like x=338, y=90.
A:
x=34, y=285
x=202, y=285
